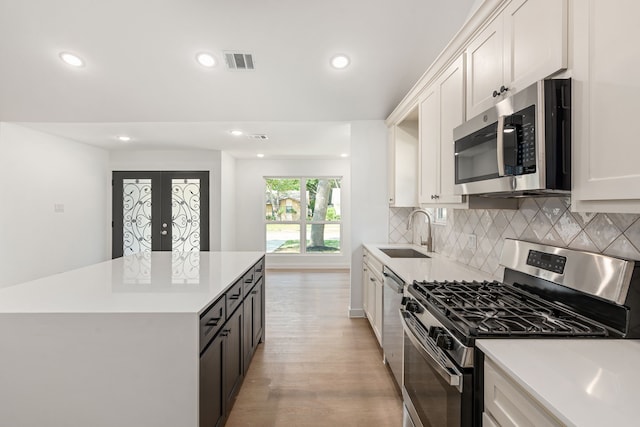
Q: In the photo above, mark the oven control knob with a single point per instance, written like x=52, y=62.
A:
x=444, y=341
x=413, y=307
x=434, y=331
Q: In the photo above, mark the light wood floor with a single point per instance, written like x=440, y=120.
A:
x=316, y=367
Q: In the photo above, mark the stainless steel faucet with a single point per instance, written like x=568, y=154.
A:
x=429, y=242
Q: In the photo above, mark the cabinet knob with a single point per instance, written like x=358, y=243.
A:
x=495, y=93
x=503, y=89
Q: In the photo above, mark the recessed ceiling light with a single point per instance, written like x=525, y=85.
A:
x=71, y=59
x=344, y=155
x=206, y=60
x=340, y=61
x=236, y=132
x=260, y=155
x=124, y=138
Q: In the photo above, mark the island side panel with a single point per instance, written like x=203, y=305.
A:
x=99, y=370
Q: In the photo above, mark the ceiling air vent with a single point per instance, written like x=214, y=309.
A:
x=258, y=137
x=239, y=61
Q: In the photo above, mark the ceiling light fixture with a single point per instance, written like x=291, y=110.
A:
x=340, y=61
x=260, y=155
x=71, y=59
x=206, y=60
x=344, y=155
x=236, y=132
x=124, y=138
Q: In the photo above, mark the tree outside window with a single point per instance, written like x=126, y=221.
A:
x=319, y=229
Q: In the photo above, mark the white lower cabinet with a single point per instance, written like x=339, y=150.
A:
x=372, y=288
x=506, y=404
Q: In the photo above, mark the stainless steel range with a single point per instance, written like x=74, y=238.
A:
x=546, y=292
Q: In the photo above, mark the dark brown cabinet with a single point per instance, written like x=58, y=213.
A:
x=211, y=401
x=253, y=321
x=228, y=346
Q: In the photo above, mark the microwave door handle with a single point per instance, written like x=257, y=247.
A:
x=500, y=145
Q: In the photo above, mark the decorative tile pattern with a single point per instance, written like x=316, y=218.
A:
x=541, y=220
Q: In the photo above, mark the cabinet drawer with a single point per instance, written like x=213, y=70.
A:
x=509, y=405
x=234, y=297
x=211, y=321
x=248, y=280
x=258, y=270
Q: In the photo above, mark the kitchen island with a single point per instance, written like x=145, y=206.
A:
x=112, y=344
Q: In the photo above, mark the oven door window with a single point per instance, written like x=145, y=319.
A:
x=437, y=403
x=476, y=156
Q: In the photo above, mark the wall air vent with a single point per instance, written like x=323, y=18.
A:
x=238, y=61
x=258, y=137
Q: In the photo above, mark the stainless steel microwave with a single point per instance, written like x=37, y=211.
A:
x=521, y=147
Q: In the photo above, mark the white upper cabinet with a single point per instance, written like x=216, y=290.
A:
x=485, y=68
x=606, y=90
x=441, y=110
x=535, y=38
x=526, y=42
x=403, y=162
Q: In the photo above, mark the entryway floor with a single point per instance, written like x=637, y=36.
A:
x=317, y=367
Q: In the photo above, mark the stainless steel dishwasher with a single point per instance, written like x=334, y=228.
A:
x=392, y=333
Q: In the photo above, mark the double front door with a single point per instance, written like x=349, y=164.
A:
x=160, y=211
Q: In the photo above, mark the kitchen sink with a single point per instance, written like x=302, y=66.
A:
x=403, y=253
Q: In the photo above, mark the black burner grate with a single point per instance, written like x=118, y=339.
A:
x=485, y=309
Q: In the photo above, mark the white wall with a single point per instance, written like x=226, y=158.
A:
x=228, y=202
x=179, y=160
x=39, y=171
x=370, y=210
x=250, y=223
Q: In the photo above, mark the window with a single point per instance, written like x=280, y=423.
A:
x=319, y=224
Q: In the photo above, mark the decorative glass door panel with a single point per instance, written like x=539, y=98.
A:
x=136, y=215
x=160, y=211
x=185, y=214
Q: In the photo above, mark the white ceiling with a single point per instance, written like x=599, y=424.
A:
x=141, y=77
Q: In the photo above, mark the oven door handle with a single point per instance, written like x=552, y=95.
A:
x=451, y=378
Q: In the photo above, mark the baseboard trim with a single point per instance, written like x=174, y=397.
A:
x=356, y=313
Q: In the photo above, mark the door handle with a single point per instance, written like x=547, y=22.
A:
x=500, y=145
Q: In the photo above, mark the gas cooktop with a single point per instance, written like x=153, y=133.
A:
x=487, y=309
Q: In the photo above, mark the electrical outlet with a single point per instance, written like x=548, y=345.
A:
x=58, y=208
x=471, y=241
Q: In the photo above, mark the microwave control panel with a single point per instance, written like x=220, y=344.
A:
x=520, y=142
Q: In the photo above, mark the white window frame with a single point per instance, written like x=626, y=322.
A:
x=303, y=221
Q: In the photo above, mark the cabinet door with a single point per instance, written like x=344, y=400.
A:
x=430, y=146
x=404, y=178
x=232, y=357
x=247, y=335
x=377, y=327
x=365, y=289
x=485, y=68
x=256, y=312
x=535, y=42
x=605, y=103
x=451, y=87
x=211, y=402
x=371, y=293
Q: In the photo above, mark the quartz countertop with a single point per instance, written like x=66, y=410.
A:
x=581, y=382
x=436, y=267
x=157, y=282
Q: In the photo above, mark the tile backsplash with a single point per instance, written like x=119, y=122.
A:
x=543, y=220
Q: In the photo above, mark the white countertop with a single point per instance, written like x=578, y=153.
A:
x=582, y=382
x=158, y=282
x=437, y=267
